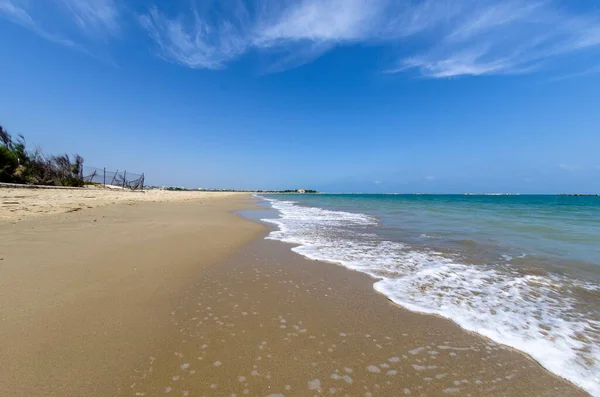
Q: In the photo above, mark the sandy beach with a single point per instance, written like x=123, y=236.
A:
x=22, y=203
x=85, y=295
x=178, y=296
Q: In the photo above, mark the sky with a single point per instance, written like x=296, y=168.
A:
x=430, y=96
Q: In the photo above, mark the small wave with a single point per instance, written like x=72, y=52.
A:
x=541, y=315
x=467, y=242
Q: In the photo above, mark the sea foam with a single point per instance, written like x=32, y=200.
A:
x=539, y=315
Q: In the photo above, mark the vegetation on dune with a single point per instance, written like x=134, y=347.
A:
x=18, y=165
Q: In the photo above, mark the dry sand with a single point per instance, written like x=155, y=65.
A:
x=22, y=203
x=186, y=299
x=85, y=296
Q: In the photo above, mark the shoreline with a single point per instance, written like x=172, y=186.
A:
x=189, y=299
x=373, y=280
x=521, y=309
x=271, y=322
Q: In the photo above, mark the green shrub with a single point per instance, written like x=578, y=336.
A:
x=8, y=164
x=17, y=165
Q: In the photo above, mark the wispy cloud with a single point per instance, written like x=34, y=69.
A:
x=193, y=42
x=435, y=38
x=18, y=14
x=299, y=31
x=319, y=20
x=453, y=38
x=15, y=12
x=93, y=17
x=74, y=23
x=511, y=37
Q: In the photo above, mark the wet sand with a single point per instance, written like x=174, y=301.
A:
x=188, y=299
x=268, y=322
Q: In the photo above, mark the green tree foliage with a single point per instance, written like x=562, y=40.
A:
x=17, y=165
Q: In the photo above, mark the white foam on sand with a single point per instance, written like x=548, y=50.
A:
x=533, y=313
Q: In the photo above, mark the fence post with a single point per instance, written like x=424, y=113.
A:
x=114, y=177
x=104, y=176
x=124, y=178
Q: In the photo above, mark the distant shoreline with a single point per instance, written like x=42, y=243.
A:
x=581, y=195
x=441, y=194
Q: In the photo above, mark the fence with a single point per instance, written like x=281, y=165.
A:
x=104, y=177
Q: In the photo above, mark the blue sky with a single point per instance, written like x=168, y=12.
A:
x=336, y=95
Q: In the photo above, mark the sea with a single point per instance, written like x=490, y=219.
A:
x=521, y=270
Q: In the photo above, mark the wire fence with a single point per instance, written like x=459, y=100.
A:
x=123, y=179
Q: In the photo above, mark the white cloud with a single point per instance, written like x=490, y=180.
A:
x=436, y=38
x=95, y=17
x=430, y=178
x=494, y=16
x=16, y=12
x=320, y=20
x=467, y=62
x=195, y=44
x=58, y=20
x=298, y=31
x=504, y=38
x=454, y=38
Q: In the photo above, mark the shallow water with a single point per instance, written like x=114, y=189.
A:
x=521, y=270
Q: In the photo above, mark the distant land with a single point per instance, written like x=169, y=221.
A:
x=581, y=194
x=183, y=189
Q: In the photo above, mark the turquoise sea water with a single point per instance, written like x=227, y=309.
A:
x=522, y=270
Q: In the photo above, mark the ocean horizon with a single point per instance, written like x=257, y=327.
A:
x=442, y=194
x=522, y=270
